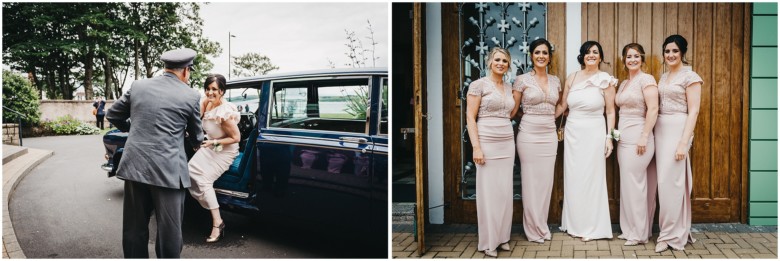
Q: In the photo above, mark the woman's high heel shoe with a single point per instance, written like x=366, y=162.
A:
x=221, y=228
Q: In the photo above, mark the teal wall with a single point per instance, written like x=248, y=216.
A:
x=762, y=209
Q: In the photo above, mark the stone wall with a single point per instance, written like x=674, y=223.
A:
x=11, y=133
x=81, y=110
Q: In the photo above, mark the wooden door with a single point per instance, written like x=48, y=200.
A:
x=718, y=48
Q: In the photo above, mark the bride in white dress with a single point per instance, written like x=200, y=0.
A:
x=586, y=145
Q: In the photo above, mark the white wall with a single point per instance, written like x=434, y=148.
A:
x=81, y=110
x=573, y=35
x=435, y=131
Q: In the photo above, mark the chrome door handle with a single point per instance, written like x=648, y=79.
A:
x=354, y=140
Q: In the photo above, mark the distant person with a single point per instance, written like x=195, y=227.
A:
x=220, y=122
x=154, y=165
x=100, y=112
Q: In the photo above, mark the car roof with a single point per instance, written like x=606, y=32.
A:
x=243, y=82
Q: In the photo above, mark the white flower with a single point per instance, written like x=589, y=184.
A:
x=615, y=134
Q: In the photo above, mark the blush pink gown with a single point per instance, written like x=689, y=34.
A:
x=675, y=179
x=537, y=146
x=494, y=178
x=634, y=179
x=207, y=165
x=585, y=202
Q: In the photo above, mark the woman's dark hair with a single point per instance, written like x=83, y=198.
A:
x=680, y=42
x=541, y=41
x=635, y=46
x=221, y=83
x=584, y=50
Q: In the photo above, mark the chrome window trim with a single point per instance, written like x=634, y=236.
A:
x=311, y=138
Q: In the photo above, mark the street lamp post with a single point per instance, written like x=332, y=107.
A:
x=229, y=36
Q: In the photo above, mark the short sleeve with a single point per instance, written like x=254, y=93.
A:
x=476, y=88
x=519, y=84
x=648, y=81
x=690, y=78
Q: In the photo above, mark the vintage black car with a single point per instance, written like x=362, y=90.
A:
x=313, y=149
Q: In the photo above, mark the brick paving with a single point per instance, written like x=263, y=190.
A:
x=713, y=241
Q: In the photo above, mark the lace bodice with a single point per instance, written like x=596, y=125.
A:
x=671, y=92
x=587, y=97
x=493, y=103
x=535, y=100
x=630, y=96
x=213, y=119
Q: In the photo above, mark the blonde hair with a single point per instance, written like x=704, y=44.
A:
x=489, y=58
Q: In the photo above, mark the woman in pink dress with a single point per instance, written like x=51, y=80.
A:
x=588, y=94
x=220, y=122
x=637, y=99
x=680, y=95
x=537, y=142
x=489, y=104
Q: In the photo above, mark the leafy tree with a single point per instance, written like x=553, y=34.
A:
x=19, y=95
x=252, y=64
x=64, y=46
x=202, y=64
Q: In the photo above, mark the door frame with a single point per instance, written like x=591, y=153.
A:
x=420, y=126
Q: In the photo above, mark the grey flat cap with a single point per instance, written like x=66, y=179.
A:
x=179, y=58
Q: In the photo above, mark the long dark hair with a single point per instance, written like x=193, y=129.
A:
x=221, y=82
x=537, y=43
x=681, y=43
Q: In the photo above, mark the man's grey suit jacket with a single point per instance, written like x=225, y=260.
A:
x=160, y=110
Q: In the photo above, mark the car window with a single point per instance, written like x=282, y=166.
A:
x=383, y=108
x=246, y=99
x=330, y=105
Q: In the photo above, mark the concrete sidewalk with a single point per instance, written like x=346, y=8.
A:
x=17, y=162
x=713, y=241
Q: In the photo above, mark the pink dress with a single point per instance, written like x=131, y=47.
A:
x=494, y=178
x=634, y=179
x=537, y=146
x=585, y=202
x=207, y=165
x=675, y=179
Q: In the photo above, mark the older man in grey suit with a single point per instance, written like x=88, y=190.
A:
x=154, y=163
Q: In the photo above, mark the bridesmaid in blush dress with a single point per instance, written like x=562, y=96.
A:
x=489, y=105
x=637, y=98
x=220, y=122
x=680, y=95
x=537, y=142
x=586, y=144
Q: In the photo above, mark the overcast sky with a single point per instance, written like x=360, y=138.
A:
x=296, y=36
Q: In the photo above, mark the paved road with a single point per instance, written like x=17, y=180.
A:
x=68, y=208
